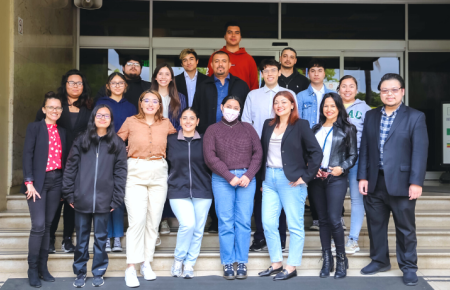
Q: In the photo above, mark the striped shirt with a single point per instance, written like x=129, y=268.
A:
x=385, y=127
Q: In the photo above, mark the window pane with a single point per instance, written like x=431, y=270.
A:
x=332, y=73
x=98, y=64
x=206, y=19
x=117, y=18
x=343, y=21
x=429, y=86
x=368, y=72
x=428, y=21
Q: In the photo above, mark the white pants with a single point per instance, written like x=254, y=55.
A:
x=145, y=195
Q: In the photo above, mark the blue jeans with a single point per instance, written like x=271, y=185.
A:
x=278, y=194
x=357, y=215
x=234, y=208
x=115, y=222
x=191, y=215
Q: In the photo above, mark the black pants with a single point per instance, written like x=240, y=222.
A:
x=69, y=220
x=42, y=212
x=83, y=223
x=259, y=233
x=328, y=197
x=378, y=206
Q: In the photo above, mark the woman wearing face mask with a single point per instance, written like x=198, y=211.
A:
x=77, y=104
x=43, y=162
x=189, y=192
x=356, y=110
x=337, y=138
x=146, y=188
x=94, y=185
x=116, y=86
x=233, y=152
x=163, y=81
x=291, y=158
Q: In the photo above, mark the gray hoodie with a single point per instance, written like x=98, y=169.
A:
x=356, y=115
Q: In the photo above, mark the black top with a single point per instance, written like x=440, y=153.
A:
x=180, y=81
x=94, y=181
x=300, y=152
x=134, y=91
x=35, y=153
x=73, y=118
x=189, y=177
x=405, y=151
x=205, y=100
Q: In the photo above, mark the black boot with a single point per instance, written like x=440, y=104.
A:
x=341, y=266
x=44, y=274
x=33, y=274
x=328, y=264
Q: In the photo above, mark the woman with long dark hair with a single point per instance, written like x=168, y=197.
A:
x=43, y=162
x=173, y=103
x=74, y=93
x=94, y=185
x=291, y=158
x=116, y=86
x=337, y=138
x=233, y=152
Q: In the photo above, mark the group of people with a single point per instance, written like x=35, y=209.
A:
x=196, y=145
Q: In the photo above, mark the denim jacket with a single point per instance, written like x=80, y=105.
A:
x=307, y=105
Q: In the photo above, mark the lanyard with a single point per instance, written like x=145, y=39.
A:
x=325, y=142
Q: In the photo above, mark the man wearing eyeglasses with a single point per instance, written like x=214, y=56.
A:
x=258, y=108
x=391, y=172
x=131, y=68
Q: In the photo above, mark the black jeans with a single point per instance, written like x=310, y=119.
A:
x=378, y=206
x=42, y=212
x=83, y=223
x=328, y=197
x=69, y=220
x=259, y=233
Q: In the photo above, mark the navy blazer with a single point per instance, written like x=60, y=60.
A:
x=300, y=152
x=405, y=151
x=35, y=154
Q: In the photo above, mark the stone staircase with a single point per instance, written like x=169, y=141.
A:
x=433, y=235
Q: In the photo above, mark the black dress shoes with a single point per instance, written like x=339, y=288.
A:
x=374, y=268
x=410, y=278
x=270, y=271
x=284, y=275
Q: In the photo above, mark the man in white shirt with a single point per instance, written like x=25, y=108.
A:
x=258, y=108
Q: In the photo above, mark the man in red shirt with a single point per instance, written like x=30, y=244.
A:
x=243, y=65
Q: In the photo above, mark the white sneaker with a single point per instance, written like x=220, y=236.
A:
x=333, y=246
x=131, y=279
x=158, y=241
x=108, y=245
x=343, y=223
x=188, y=272
x=351, y=246
x=147, y=272
x=165, y=229
x=314, y=226
x=176, y=268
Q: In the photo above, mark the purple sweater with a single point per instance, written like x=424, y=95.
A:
x=228, y=146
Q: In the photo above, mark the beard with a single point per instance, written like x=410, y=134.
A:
x=132, y=76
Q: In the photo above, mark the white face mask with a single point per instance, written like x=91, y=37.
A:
x=230, y=115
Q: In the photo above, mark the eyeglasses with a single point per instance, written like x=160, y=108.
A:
x=136, y=64
x=51, y=108
x=155, y=102
x=393, y=91
x=72, y=84
x=266, y=71
x=101, y=116
x=119, y=84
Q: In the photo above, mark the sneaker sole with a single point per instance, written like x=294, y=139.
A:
x=132, y=286
x=108, y=250
x=98, y=285
x=314, y=229
x=117, y=249
x=78, y=286
x=165, y=232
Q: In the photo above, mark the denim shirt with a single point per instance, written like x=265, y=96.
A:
x=222, y=92
x=307, y=105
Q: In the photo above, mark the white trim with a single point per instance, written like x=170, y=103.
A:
x=279, y=20
x=429, y=45
x=114, y=42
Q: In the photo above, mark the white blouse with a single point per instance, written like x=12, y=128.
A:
x=320, y=136
x=274, y=154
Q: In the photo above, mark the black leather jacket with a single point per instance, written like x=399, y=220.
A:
x=341, y=154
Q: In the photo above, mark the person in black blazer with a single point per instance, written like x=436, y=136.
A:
x=392, y=167
x=337, y=137
x=74, y=93
x=292, y=156
x=43, y=161
x=191, y=77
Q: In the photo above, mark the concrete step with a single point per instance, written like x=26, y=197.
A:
x=209, y=260
x=426, y=238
